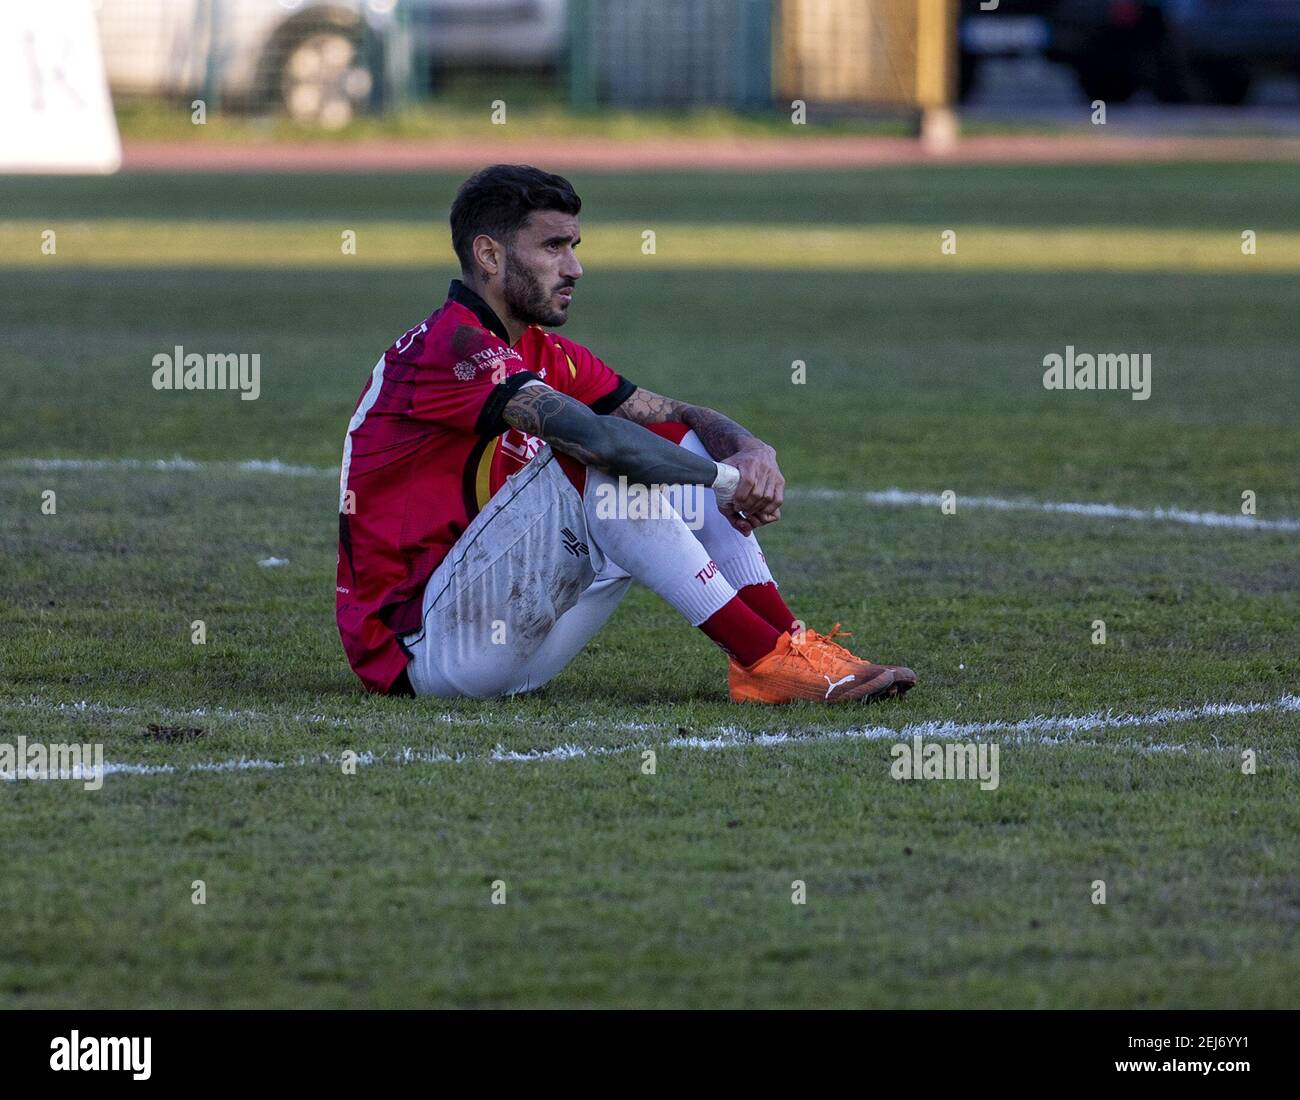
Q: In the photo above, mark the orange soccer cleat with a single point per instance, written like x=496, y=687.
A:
x=904, y=678
x=804, y=670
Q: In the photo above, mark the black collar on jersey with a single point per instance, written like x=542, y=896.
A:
x=459, y=292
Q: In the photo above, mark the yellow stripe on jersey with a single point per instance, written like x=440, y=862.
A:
x=573, y=367
x=483, y=479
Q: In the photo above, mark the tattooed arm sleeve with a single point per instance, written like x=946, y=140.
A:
x=721, y=436
x=618, y=447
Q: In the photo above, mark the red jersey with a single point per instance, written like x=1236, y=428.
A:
x=424, y=451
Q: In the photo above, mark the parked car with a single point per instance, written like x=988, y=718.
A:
x=315, y=59
x=1011, y=28
x=1229, y=43
x=1206, y=50
x=477, y=34
x=1116, y=47
x=319, y=60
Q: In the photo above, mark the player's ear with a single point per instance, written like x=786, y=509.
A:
x=487, y=255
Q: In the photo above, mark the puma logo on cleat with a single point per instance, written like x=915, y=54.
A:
x=837, y=683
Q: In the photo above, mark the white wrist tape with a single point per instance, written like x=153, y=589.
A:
x=724, y=485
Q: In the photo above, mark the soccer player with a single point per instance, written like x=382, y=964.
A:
x=502, y=487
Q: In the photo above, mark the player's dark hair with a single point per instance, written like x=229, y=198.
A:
x=498, y=200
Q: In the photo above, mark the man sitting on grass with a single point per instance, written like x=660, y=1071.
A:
x=502, y=487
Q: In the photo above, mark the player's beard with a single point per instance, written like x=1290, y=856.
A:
x=529, y=301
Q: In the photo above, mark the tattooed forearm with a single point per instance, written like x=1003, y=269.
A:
x=618, y=447
x=563, y=422
x=644, y=407
x=721, y=436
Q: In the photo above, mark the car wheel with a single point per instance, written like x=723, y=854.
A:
x=1172, y=81
x=1224, y=83
x=1111, y=80
x=324, y=79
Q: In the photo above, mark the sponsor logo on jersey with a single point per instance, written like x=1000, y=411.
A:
x=494, y=361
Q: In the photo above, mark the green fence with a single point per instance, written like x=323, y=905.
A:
x=664, y=53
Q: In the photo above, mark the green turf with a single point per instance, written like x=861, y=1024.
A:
x=611, y=246
x=1199, y=196
x=670, y=889
x=537, y=108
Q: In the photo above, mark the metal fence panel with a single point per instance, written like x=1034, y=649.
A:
x=671, y=53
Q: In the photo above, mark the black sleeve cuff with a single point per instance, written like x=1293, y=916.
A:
x=612, y=400
x=489, y=421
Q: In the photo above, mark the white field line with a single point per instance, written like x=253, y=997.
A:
x=881, y=497
x=1036, y=730
x=174, y=465
x=1061, y=507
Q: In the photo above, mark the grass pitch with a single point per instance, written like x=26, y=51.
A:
x=622, y=888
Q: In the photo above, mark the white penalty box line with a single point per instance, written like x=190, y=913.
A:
x=1037, y=730
x=882, y=497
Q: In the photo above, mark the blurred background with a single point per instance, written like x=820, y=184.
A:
x=332, y=63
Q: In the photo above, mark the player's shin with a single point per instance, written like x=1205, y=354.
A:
x=739, y=557
x=638, y=528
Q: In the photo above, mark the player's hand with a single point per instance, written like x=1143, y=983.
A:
x=746, y=524
x=761, y=490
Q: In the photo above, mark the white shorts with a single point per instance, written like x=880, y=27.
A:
x=519, y=595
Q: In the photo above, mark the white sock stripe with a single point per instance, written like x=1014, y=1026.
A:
x=745, y=569
x=698, y=600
